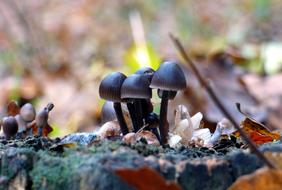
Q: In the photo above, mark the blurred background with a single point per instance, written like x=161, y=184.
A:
x=59, y=50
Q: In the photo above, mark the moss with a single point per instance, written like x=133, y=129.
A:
x=52, y=172
x=16, y=159
x=79, y=170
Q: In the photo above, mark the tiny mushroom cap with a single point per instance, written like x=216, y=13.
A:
x=110, y=87
x=42, y=118
x=136, y=86
x=10, y=126
x=145, y=70
x=27, y=112
x=171, y=94
x=108, y=112
x=109, y=129
x=169, y=77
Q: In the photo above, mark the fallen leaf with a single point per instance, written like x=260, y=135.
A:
x=146, y=179
x=263, y=178
x=258, y=132
x=45, y=132
x=13, y=109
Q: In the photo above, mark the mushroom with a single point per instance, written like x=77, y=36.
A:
x=10, y=126
x=169, y=78
x=108, y=112
x=110, y=89
x=147, y=106
x=153, y=122
x=109, y=129
x=27, y=115
x=135, y=88
x=42, y=118
x=27, y=112
x=145, y=70
x=22, y=125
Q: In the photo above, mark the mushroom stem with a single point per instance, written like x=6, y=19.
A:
x=138, y=110
x=147, y=107
x=120, y=118
x=156, y=133
x=40, y=131
x=131, y=109
x=163, y=118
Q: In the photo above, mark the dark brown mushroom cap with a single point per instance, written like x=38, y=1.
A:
x=136, y=87
x=27, y=112
x=110, y=87
x=147, y=72
x=169, y=76
x=108, y=112
x=144, y=70
x=42, y=118
x=171, y=94
x=10, y=126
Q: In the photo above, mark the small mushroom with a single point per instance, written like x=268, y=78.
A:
x=135, y=88
x=168, y=78
x=147, y=106
x=10, y=126
x=21, y=123
x=109, y=129
x=42, y=118
x=27, y=112
x=153, y=122
x=110, y=89
x=145, y=70
x=108, y=112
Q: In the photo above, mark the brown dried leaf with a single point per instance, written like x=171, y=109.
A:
x=146, y=179
x=258, y=132
x=46, y=130
x=263, y=178
x=13, y=109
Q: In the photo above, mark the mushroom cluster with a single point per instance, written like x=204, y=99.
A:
x=135, y=91
x=23, y=121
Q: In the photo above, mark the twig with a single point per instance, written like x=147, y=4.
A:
x=141, y=129
x=218, y=102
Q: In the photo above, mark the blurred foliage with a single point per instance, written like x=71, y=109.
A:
x=137, y=57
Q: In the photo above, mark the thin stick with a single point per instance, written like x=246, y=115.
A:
x=142, y=128
x=218, y=102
